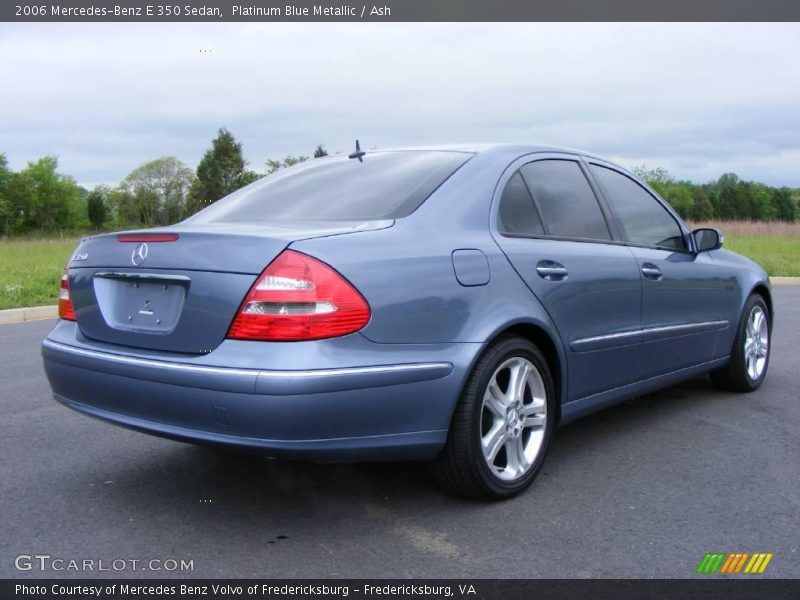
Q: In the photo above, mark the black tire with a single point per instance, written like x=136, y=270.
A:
x=461, y=467
x=734, y=377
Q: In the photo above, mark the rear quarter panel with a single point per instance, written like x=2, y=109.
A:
x=406, y=272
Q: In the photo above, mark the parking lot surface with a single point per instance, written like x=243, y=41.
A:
x=643, y=489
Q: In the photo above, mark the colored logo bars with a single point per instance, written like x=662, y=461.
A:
x=736, y=562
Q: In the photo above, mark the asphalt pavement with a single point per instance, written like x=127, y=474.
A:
x=643, y=489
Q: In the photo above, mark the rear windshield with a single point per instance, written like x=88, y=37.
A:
x=387, y=185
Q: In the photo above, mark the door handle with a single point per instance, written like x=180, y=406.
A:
x=551, y=270
x=651, y=271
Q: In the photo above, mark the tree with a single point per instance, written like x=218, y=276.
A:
x=121, y=205
x=6, y=175
x=654, y=177
x=41, y=198
x=743, y=200
x=320, y=151
x=679, y=196
x=96, y=206
x=763, y=209
x=785, y=204
x=726, y=196
x=220, y=172
x=155, y=193
x=703, y=210
x=249, y=176
x=288, y=161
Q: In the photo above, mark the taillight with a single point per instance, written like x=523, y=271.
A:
x=299, y=298
x=65, y=309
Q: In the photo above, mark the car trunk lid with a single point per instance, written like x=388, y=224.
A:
x=178, y=289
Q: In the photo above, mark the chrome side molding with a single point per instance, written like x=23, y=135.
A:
x=648, y=334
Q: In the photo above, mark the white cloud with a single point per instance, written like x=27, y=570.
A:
x=699, y=99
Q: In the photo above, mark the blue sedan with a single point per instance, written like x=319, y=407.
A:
x=452, y=305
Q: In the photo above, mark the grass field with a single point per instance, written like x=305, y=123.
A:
x=773, y=245
x=30, y=269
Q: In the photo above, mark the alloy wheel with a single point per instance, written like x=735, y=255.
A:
x=513, y=418
x=756, y=343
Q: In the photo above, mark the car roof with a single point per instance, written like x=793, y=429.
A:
x=491, y=148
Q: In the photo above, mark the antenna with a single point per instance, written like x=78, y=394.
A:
x=359, y=153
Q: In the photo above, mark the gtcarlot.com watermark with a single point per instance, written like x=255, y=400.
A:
x=47, y=563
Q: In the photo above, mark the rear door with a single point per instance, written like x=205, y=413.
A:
x=556, y=235
x=684, y=298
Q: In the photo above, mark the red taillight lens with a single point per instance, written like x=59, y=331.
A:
x=299, y=298
x=65, y=309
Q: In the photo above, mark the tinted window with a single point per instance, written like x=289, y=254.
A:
x=643, y=218
x=566, y=202
x=517, y=213
x=387, y=185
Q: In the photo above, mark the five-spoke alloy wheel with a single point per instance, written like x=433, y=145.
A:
x=750, y=353
x=514, y=418
x=756, y=343
x=502, y=424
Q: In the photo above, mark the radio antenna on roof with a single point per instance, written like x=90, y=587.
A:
x=359, y=153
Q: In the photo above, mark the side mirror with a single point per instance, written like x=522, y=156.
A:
x=707, y=238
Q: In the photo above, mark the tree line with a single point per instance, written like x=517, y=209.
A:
x=160, y=192
x=163, y=191
x=726, y=199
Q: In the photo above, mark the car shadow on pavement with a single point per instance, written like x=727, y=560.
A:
x=239, y=483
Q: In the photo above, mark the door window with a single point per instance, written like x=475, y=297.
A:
x=567, y=203
x=644, y=220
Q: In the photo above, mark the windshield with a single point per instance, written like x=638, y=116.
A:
x=386, y=185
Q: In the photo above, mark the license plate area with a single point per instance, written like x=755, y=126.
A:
x=146, y=303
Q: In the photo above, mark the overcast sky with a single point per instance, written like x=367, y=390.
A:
x=697, y=99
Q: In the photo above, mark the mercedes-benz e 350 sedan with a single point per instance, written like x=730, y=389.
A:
x=452, y=305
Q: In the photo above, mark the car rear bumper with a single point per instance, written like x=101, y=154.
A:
x=392, y=410
x=417, y=445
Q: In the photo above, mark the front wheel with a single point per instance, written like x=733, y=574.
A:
x=502, y=424
x=750, y=355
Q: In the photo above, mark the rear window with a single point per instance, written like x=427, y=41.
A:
x=387, y=185
x=517, y=213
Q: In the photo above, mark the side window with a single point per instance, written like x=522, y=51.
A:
x=643, y=218
x=566, y=201
x=517, y=214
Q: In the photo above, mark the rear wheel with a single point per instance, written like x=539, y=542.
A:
x=750, y=355
x=502, y=425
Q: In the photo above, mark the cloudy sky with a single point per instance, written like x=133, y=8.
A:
x=698, y=99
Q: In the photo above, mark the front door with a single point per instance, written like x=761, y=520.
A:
x=683, y=295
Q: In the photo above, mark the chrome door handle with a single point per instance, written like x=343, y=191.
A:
x=551, y=270
x=651, y=271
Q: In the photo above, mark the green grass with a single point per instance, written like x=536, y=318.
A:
x=30, y=269
x=779, y=255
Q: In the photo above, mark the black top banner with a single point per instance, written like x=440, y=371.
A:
x=399, y=10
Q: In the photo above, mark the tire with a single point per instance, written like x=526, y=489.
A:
x=517, y=427
x=749, y=359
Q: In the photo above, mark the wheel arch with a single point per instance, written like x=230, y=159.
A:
x=762, y=289
x=546, y=343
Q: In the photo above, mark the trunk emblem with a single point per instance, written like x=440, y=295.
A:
x=139, y=254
